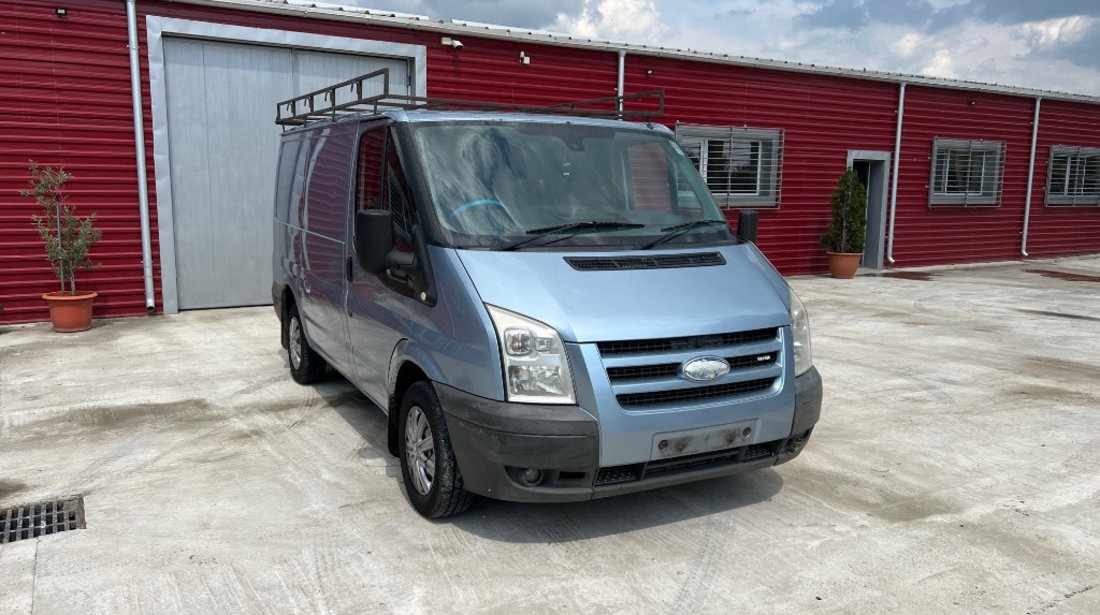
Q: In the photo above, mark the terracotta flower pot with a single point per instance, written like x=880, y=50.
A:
x=843, y=265
x=70, y=313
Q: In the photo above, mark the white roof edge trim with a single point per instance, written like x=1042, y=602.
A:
x=321, y=10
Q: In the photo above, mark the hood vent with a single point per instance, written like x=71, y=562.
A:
x=657, y=261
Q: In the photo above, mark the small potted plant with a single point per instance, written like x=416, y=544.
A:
x=843, y=241
x=67, y=238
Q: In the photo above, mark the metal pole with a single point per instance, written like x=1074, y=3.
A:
x=139, y=143
x=622, y=66
x=894, y=179
x=1030, y=175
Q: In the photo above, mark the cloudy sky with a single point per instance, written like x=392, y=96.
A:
x=1046, y=44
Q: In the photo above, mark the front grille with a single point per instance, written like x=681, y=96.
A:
x=757, y=451
x=671, y=370
x=693, y=394
x=619, y=474
x=688, y=463
x=672, y=344
x=640, y=372
x=664, y=261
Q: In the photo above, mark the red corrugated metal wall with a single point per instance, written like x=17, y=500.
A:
x=1054, y=231
x=64, y=89
x=949, y=233
x=65, y=100
x=822, y=118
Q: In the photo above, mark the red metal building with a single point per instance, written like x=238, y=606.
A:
x=769, y=135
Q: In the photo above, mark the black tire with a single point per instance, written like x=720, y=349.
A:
x=306, y=366
x=432, y=480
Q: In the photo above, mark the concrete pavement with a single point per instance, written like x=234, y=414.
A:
x=956, y=470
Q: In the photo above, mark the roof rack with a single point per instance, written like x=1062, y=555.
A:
x=347, y=97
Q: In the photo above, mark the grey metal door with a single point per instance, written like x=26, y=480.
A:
x=223, y=148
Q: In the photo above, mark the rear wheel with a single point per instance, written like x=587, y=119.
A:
x=306, y=366
x=432, y=480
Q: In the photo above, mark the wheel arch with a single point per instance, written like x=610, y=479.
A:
x=408, y=374
x=409, y=364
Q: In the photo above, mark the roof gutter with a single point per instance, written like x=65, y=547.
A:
x=413, y=22
x=894, y=175
x=139, y=146
x=1030, y=175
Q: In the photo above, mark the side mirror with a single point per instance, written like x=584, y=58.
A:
x=373, y=239
x=747, y=222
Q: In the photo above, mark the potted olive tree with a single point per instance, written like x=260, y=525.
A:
x=67, y=238
x=843, y=241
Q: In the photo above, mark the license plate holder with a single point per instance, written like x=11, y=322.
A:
x=669, y=444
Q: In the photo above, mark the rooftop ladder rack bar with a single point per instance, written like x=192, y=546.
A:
x=325, y=104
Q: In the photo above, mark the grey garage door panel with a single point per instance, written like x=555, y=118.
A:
x=223, y=149
x=316, y=69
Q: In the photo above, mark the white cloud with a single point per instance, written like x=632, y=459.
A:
x=906, y=46
x=970, y=49
x=1055, y=31
x=625, y=20
x=941, y=65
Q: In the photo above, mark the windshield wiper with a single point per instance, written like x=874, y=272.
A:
x=680, y=229
x=571, y=228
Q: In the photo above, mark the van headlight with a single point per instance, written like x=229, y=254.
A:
x=536, y=369
x=800, y=331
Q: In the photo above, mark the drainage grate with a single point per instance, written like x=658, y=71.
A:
x=34, y=520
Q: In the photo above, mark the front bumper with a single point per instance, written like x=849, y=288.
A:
x=496, y=442
x=490, y=437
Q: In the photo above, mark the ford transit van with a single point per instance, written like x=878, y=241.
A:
x=548, y=308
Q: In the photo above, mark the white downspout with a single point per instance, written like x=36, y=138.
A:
x=1030, y=174
x=139, y=144
x=622, y=68
x=894, y=182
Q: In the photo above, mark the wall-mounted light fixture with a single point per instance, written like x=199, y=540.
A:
x=447, y=41
x=524, y=58
x=61, y=12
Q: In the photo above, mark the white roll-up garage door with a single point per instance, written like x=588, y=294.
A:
x=223, y=147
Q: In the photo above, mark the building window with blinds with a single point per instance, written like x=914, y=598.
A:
x=966, y=172
x=1073, y=176
x=740, y=165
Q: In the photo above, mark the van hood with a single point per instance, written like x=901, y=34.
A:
x=590, y=305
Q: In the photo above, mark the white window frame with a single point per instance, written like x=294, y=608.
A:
x=944, y=154
x=1074, y=182
x=700, y=138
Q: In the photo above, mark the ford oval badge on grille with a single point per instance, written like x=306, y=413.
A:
x=705, y=369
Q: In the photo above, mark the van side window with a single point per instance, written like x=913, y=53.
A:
x=398, y=201
x=368, y=191
x=328, y=185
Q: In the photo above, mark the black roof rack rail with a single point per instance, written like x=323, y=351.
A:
x=326, y=103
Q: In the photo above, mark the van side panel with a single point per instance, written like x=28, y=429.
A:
x=322, y=219
x=289, y=188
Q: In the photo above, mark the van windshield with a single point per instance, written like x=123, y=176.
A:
x=528, y=184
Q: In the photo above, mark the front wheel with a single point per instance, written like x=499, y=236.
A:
x=432, y=480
